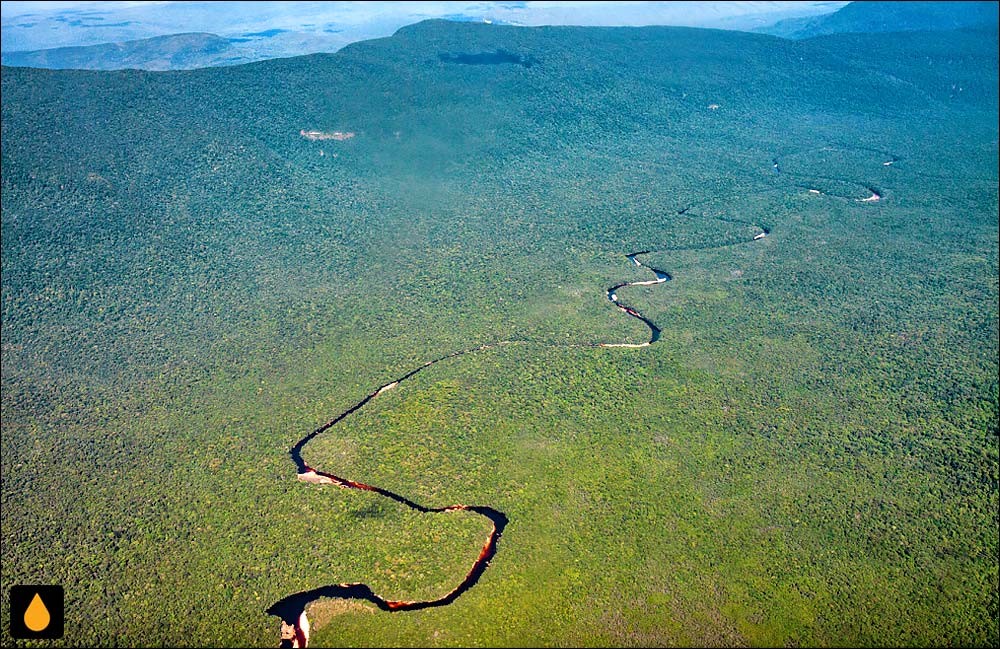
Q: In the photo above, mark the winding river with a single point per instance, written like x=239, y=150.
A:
x=292, y=609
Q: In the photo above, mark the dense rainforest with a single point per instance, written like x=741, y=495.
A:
x=201, y=267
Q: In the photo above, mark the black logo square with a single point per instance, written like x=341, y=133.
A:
x=36, y=612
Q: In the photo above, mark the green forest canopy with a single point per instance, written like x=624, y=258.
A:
x=808, y=456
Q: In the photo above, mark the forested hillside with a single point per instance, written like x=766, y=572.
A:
x=871, y=16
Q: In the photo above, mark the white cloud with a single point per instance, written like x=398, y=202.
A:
x=13, y=8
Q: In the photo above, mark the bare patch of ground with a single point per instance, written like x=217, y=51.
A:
x=320, y=135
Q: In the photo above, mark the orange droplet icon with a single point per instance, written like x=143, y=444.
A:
x=36, y=617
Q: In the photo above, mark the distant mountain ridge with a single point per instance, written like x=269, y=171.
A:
x=868, y=17
x=119, y=35
x=173, y=52
x=192, y=50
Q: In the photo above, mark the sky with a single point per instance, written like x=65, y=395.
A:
x=19, y=8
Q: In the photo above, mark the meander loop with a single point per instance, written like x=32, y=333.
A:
x=292, y=609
